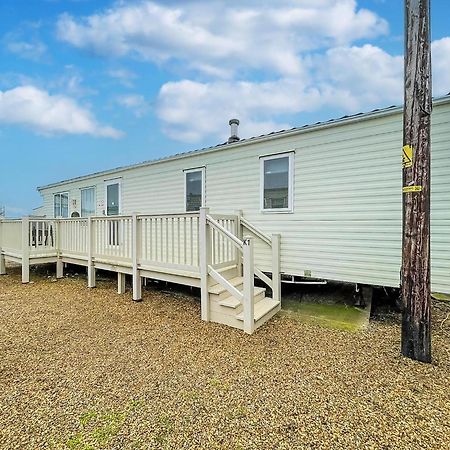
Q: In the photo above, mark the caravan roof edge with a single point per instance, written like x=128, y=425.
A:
x=274, y=135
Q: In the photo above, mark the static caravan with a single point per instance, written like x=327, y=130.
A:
x=331, y=193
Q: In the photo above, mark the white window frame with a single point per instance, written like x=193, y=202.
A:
x=195, y=169
x=81, y=199
x=290, y=208
x=109, y=183
x=68, y=205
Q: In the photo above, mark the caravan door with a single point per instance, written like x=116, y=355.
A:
x=113, y=208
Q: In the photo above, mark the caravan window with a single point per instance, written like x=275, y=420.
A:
x=88, y=202
x=194, y=189
x=277, y=183
x=61, y=205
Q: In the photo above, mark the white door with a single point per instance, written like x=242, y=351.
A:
x=113, y=208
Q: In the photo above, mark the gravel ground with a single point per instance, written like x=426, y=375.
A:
x=87, y=369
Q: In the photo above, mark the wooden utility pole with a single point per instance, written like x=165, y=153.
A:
x=415, y=275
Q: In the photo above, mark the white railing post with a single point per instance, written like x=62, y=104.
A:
x=2, y=256
x=90, y=262
x=276, y=269
x=204, y=248
x=57, y=243
x=249, y=286
x=239, y=235
x=25, y=250
x=137, y=281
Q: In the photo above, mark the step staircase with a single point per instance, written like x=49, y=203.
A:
x=228, y=310
x=228, y=269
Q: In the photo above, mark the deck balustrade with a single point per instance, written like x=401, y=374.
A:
x=187, y=248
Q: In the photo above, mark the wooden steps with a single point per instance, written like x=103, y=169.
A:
x=263, y=307
x=228, y=310
x=218, y=289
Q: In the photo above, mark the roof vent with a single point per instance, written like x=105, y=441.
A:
x=234, y=123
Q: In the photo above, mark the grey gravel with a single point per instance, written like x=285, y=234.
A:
x=90, y=369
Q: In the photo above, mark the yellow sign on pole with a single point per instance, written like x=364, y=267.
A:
x=412, y=189
x=407, y=156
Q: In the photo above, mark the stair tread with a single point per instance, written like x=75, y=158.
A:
x=232, y=302
x=218, y=288
x=261, y=308
x=224, y=269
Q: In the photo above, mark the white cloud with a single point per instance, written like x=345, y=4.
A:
x=350, y=79
x=192, y=110
x=297, y=55
x=441, y=66
x=124, y=76
x=134, y=102
x=71, y=83
x=49, y=114
x=219, y=39
x=28, y=50
x=25, y=42
x=356, y=78
x=346, y=78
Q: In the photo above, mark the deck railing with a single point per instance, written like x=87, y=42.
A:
x=169, y=239
x=198, y=245
x=111, y=239
x=11, y=237
x=72, y=237
x=223, y=252
x=144, y=242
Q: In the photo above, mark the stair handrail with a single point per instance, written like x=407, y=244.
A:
x=274, y=243
x=256, y=231
x=236, y=241
x=239, y=245
x=235, y=292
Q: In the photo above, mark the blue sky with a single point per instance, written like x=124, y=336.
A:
x=87, y=85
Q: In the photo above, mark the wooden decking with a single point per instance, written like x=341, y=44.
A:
x=195, y=249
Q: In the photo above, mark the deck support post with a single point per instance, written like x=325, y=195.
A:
x=204, y=249
x=25, y=250
x=249, y=286
x=137, y=280
x=239, y=214
x=2, y=256
x=120, y=283
x=90, y=262
x=276, y=275
x=2, y=264
x=59, y=268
